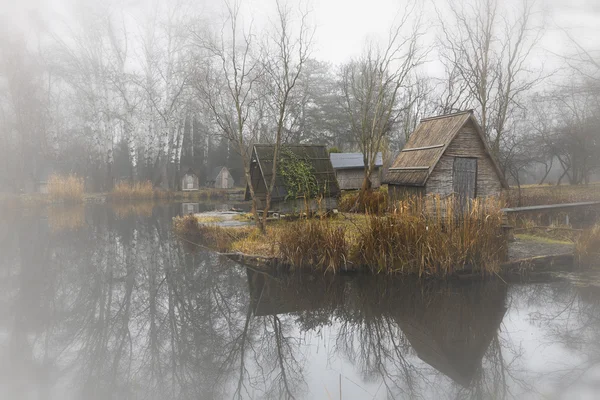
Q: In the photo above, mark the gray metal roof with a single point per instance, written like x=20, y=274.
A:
x=352, y=160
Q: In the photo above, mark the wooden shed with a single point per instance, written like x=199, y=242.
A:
x=220, y=178
x=189, y=181
x=315, y=158
x=350, y=170
x=445, y=155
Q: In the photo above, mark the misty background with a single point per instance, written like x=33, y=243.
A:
x=142, y=90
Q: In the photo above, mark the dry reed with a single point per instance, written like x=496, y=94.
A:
x=316, y=244
x=434, y=236
x=124, y=191
x=66, y=189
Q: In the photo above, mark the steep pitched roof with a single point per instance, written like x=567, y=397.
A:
x=316, y=155
x=352, y=160
x=215, y=173
x=426, y=146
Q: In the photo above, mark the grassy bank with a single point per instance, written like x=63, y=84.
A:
x=533, y=195
x=421, y=237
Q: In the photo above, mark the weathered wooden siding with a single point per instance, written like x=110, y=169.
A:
x=466, y=144
x=351, y=179
x=224, y=180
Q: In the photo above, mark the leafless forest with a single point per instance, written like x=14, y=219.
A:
x=142, y=91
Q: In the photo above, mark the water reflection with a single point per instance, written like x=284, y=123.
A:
x=114, y=306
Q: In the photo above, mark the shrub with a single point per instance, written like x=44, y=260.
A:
x=313, y=243
x=67, y=189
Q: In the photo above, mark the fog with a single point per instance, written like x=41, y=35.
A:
x=142, y=90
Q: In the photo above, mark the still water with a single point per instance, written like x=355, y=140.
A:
x=98, y=302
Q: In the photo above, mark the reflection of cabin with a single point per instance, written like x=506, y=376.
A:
x=350, y=170
x=451, y=329
x=450, y=326
x=445, y=155
x=220, y=178
x=318, y=162
x=189, y=181
x=190, y=208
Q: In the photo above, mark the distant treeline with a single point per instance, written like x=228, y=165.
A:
x=142, y=92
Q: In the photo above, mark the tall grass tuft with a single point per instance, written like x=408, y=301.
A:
x=124, y=191
x=587, y=247
x=67, y=189
x=316, y=244
x=433, y=236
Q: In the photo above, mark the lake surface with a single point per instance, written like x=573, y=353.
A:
x=103, y=302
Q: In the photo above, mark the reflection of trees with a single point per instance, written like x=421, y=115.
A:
x=127, y=311
x=570, y=318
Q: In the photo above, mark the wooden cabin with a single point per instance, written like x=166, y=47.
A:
x=189, y=181
x=282, y=200
x=220, y=178
x=350, y=170
x=446, y=155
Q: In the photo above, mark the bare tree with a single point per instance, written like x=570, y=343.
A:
x=489, y=53
x=287, y=53
x=372, y=84
x=227, y=86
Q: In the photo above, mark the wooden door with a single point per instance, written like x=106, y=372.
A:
x=464, y=178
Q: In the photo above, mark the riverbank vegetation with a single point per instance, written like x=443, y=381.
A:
x=432, y=237
x=66, y=189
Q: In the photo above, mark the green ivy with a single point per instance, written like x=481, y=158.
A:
x=298, y=175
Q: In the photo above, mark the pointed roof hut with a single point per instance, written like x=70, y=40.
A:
x=447, y=154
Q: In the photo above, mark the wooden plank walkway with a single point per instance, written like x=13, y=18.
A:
x=551, y=207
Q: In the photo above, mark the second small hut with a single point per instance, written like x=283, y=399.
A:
x=304, y=178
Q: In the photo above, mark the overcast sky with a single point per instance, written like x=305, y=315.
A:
x=342, y=26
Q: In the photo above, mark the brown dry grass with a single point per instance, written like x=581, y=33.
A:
x=66, y=188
